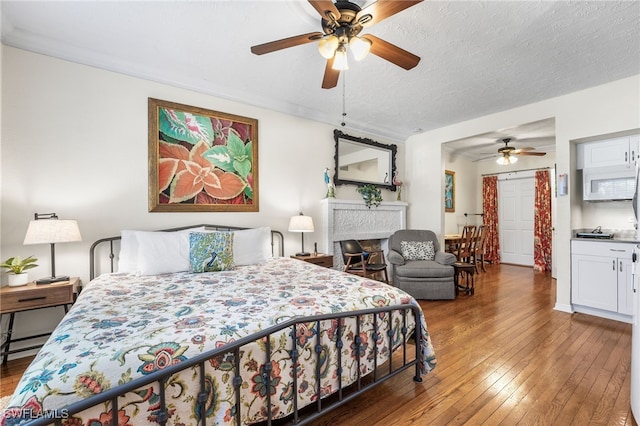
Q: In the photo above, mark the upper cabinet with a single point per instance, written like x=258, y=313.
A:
x=621, y=151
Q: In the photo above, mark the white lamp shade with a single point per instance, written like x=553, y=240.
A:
x=45, y=231
x=340, y=59
x=359, y=47
x=506, y=160
x=301, y=223
x=327, y=46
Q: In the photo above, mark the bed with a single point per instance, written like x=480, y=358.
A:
x=261, y=338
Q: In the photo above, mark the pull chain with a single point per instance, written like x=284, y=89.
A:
x=344, y=108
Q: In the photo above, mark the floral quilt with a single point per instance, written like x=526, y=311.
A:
x=125, y=326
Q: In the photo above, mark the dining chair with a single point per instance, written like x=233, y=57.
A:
x=479, y=249
x=359, y=262
x=466, y=245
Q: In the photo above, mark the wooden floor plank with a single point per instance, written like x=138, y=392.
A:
x=505, y=356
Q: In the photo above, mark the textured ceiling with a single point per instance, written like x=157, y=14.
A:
x=477, y=57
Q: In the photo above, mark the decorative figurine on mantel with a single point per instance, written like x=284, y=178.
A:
x=331, y=189
x=398, y=183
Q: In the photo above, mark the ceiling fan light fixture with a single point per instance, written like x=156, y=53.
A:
x=506, y=160
x=327, y=46
x=359, y=47
x=340, y=59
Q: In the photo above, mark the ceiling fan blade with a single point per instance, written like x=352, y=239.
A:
x=330, y=79
x=382, y=9
x=391, y=52
x=272, y=46
x=324, y=8
x=538, y=154
x=486, y=158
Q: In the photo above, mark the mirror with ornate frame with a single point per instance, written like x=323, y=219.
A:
x=361, y=161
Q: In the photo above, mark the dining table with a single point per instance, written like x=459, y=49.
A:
x=451, y=242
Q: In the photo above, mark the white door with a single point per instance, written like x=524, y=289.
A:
x=515, y=219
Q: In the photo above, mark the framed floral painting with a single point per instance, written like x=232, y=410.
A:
x=449, y=191
x=201, y=160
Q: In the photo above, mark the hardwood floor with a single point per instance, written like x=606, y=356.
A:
x=505, y=357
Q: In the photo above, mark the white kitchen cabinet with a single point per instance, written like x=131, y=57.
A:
x=601, y=278
x=622, y=151
x=625, y=286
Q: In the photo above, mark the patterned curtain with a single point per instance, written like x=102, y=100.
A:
x=542, y=223
x=490, y=210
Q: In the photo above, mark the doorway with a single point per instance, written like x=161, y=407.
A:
x=516, y=206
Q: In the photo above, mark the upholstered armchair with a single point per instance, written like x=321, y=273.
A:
x=419, y=266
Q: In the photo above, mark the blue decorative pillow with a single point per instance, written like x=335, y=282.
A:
x=211, y=251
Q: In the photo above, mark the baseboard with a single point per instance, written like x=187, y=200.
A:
x=563, y=308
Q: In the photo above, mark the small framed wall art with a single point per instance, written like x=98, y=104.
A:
x=449, y=191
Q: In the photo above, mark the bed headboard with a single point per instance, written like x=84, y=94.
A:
x=277, y=244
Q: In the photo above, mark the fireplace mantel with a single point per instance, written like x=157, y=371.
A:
x=352, y=219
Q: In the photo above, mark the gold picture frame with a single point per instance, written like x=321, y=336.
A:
x=201, y=160
x=449, y=191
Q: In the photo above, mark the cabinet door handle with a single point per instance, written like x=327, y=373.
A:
x=613, y=263
x=626, y=154
x=620, y=268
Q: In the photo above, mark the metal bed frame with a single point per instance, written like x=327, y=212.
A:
x=300, y=415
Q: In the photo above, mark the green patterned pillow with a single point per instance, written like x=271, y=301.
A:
x=211, y=251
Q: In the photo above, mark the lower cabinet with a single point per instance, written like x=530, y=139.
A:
x=601, y=278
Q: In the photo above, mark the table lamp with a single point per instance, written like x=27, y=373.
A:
x=46, y=228
x=302, y=224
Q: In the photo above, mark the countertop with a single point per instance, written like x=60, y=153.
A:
x=619, y=236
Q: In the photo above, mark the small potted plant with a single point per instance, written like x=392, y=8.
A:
x=370, y=195
x=17, y=267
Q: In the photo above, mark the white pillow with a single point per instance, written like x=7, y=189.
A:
x=251, y=246
x=163, y=252
x=128, y=258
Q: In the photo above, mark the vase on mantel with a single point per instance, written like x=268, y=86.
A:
x=16, y=280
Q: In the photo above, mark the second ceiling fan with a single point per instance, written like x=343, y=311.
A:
x=508, y=153
x=342, y=23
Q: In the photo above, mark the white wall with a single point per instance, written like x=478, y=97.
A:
x=614, y=215
x=74, y=142
x=600, y=110
x=466, y=193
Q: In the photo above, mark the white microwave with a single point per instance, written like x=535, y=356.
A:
x=609, y=183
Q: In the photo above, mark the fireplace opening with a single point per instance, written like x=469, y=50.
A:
x=374, y=246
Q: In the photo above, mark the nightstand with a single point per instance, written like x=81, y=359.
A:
x=33, y=296
x=320, y=259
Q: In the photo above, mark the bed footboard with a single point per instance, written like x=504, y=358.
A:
x=402, y=344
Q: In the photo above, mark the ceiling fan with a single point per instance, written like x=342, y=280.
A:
x=508, y=153
x=342, y=23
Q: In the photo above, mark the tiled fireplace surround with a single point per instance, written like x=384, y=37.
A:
x=351, y=219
